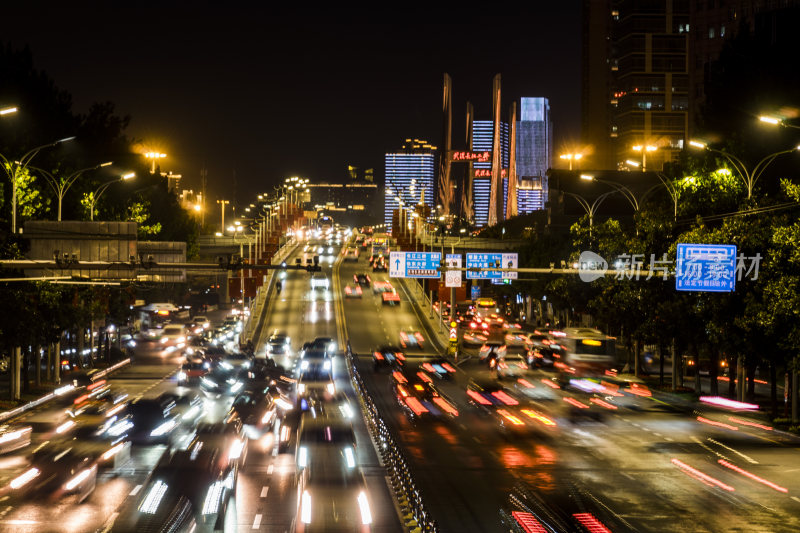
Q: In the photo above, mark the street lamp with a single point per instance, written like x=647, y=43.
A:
x=102, y=188
x=775, y=121
x=222, y=204
x=154, y=156
x=571, y=157
x=13, y=170
x=625, y=191
x=748, y=176
x=61, y=186
x=8, y=111
x=644, y=149
x=590, y=209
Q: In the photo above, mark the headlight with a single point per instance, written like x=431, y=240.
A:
x=302, y=457
x=363, y=505
x=209, y=383
x=163, y=429
x=77, y=480
x=330, y=388
x=189, y=350
x=188, y=415
x=236, y=449
x=305, y=508
x=22, y=480
x=326, y=365
x=164, y=340
x=211, y=503
x=267, y=417
x=301, y=388
x=131, y=344
x=303, y=365
x=236, y=386
x=283, y=404
x=181, y=376
x=349, y=457
x=226, y=365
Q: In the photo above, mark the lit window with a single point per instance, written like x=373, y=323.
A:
x=710, y=33
x=722, y=31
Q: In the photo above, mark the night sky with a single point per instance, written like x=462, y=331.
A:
x=261, y=95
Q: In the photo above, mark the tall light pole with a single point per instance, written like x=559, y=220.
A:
x=590, y=209
x=644, y=148
x=625, y=191
x=14, y=169
x=153, y=156
x=750, y=177
x=222, y=204
x=571, y=157
x=102, y=188
x=61, y=186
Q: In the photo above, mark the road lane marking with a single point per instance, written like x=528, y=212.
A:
x=270, y=469
x=670, y=439
x=135, y=490
x=257, y=522
x=703, y=445
x=264, y=491
x=740, y=454
x=795, y=498
x=658, y=434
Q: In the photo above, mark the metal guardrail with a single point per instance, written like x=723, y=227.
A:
x=413, y=513
x=61, y=391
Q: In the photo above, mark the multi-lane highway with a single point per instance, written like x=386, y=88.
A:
x=641, y=464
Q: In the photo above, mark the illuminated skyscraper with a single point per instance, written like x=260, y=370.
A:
x=410, y=177
x=482, y=131
x=534, y=153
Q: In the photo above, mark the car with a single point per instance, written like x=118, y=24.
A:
x=319, y=281
x=226, y=436
x=220, y=382
x=411, y=337
x=328, y=344
x=333, y=499
x=279, y=343
x=14, y=437
x=488, y=394
x=388, y=357
x=153, y=421
x=382, y=286
x=57, y=469
x=188, y=490
x=324, y=441
x=257, y=411
x=191, y=371
x=351, y=253
x=313, y=357
x=512, y=365
x=173, y=336
x=107, y=443
x=491, y=352
x=419, y=398
x=362, y=279
x=199, y=324
x=352, y=291
x=516, y=337
x=439, y=367
x=236, y=360
x=188, y=408
x=390, y=298
x=543, y=350
x=476, y=331
x=379, y=264
x=314, y=382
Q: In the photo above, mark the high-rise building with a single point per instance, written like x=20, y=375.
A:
x=410, y=178
x=482, y=132
x=534, y=153
x=636, y=59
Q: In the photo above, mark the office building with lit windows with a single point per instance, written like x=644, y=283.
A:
x=534, y=154
x=482, y=132
x=410, y=178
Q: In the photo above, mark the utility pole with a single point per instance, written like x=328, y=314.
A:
x=203, y=181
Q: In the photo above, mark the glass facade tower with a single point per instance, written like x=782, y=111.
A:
x=482, y=131
x=534, y=153
x=410, y=178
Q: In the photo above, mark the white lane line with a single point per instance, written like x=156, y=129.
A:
x=740, y=454
x=264, y=491
x=670, y=439
x=135, y=490
x=702, y=445
x=795, y=498
x=658, y=434
x=257, y=522
x=270, y=469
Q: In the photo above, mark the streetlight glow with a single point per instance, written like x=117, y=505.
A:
x=698, y=144
x=8, y=110
x=770, y=120
x=587, y=177
x=632, y=163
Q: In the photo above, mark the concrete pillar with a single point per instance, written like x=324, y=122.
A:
x=57, y=363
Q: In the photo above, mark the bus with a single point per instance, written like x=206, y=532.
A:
x=325, y=224
x=582, y=352
x=380, y=247
x=485, y=307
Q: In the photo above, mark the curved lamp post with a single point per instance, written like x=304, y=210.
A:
x=750, y=177
x=61, y=186
x=102, y=188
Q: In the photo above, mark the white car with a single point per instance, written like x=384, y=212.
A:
x=512, y=365
x=173, y=336
x=320, y=281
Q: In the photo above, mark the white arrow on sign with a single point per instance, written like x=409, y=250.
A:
x=397, y=264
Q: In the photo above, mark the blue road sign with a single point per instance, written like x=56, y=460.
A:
x=475, y=292
x=415, y=265
x=706, y=268
x=492, y=260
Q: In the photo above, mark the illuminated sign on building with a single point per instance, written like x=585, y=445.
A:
x=480, y=157
x=487, y=173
